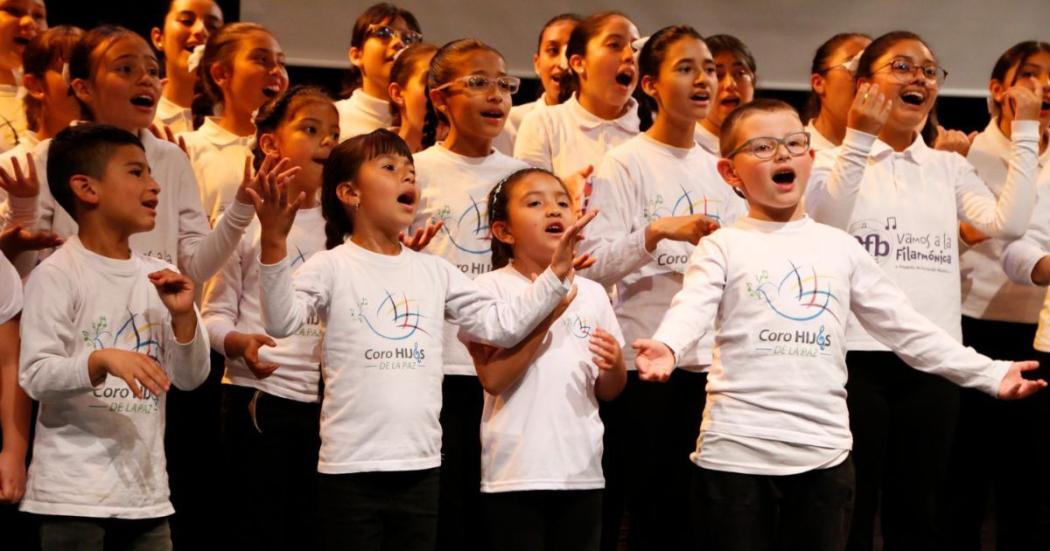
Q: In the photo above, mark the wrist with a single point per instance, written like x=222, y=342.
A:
x=184, y=326
x=233, y=345
x=653, y=236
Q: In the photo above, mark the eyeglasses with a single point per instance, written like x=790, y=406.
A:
x=385, y=33
x=765, y=147
x=479, y=83
x=904, y=70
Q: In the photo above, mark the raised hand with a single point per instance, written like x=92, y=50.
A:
x=273, y=169
x=164, y=132
x=678, y=228
x=870, y=109
x=1025, y=103
x=15, y=240
x=422, y=237
x=562, y=260
x=953, y=140
x=23, y=183
x=136, y=369
x=247, y=345
x=276, y=213
x=583, y=262
x=175, y=290
x=1014, y=386
x=654, y=360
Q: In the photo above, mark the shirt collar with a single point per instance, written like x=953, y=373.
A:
x=589, y=121
x=219, y=136
x=378, y=108
x=915, y=153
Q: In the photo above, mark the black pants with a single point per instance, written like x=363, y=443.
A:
x=650, y=430
x=804, y=512
x=380, y=511
x=462, y=403
x=271, y=470
x=1002, y=452
x=104, y=534
x=902, y=422
x=555, y=520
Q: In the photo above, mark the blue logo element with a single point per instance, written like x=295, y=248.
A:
x=798, y=296
x=469, y=232
x=394, y=319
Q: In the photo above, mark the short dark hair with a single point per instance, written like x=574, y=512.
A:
x=82, y=149
x=726, y=141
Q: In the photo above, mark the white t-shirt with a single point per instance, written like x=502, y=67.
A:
x=178, y=119
x=566, y=138
x=639, y=181
x=231, y=303
x=707, y=140
x=181, y=235
x=455, y=188
x=780, y=295
x=10, y=291
x=544, y=433
x=905, y=209
x=98, y=450
x=217, y=156
x=987, y=292
x=12, y=116
x=361, y=113
x=381, y=357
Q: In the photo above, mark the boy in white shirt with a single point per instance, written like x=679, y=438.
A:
x=105, y=333
x=774, y=446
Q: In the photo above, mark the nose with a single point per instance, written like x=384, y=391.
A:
x=727, y=82
x=782, y=153
x=153, y=185
x=199, y=31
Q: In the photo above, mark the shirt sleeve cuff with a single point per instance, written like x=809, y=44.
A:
x=1024, y=130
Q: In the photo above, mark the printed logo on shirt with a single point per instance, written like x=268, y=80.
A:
x=159, y=255
x=468, y=232
x=396, y=319
x=136, y=334
x=578, y=327
x=800, y=296
x=884, y=240
x=687, y=203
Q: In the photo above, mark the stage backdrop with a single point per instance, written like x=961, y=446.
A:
x=967, y=35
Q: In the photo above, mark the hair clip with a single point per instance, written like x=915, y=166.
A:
x=195, y=58
x=853, y=63
x=637, y=46
x=498, y=190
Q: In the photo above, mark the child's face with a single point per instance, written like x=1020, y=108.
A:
x=736, y=86
x=125, y=86
x=308, y=138
x=609, y=72
x=836, y=86
x=127, y=193
x=476, y=113
x=256, y=74
x=774, y=187
x=1033, y=73
x=386, y=188
x=376, y=55
x=186, y=26
x=686, y=82
x=414, y=96
x=20, y=21
x=549, y=62
x=539, y=210
x=913, y=94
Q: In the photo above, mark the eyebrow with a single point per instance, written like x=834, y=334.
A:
x=137, y=164
x=535, y=192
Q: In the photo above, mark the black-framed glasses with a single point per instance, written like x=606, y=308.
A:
x=765, y=147
x=386, y=32
x=480, y=83
x=904, y=69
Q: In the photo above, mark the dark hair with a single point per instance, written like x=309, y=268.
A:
x=444, y=68
x=1016, y=56
x=82, y=149
x=375, y=15
x=45, y=50
x=820, y=65
x=343, y=165
x=649, y=61
x=721, y=43
x=280, y=109
x=81, y=59
x=585, y=30
x=499, y=211
x=406, y=65
x=877, y=49
x=220, y=48
x=726, y=141
x=561, y=17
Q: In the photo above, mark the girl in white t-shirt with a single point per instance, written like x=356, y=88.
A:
x=187, y=25
x=379, y=34
x=241, y=69
x=383, y=308
x=541, y=435
x=408, y=93
x=20, y=21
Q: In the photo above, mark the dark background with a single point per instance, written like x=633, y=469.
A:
x=960, y=113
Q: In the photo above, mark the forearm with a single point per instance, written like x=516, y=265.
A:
x=504, y=367
x=209, y=253
x=15, y=406
x=610, y=382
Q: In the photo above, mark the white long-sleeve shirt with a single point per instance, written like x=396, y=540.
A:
x=98, y=450
x=217, y=156
x=383, y=318
x=638, y=182
x=780, y=295
x=987, y=292
x=181, y=235
x=545, y=433
x=231, y=303
x=566, y=138
x=905, y=208
x=455, y=189
x=361, y=113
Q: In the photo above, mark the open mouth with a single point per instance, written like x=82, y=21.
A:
x=700, y=96
x=150, y=204
x=1045, y=106
x=407, y=198
x=912, y=97
x=625, y=77
x=319, y=160
x=730, y=101
x=143, y=100
x=21, y=41
x=494, y=115
x=555, y=228
x=784, y=177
